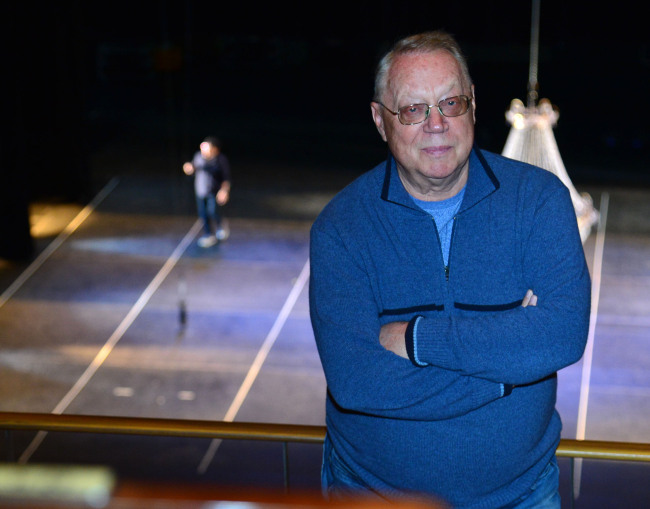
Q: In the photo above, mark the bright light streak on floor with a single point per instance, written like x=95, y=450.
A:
x=589, y=350
x=258, y=362
x=115, y=337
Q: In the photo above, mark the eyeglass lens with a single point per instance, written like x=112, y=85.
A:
x=450, y=107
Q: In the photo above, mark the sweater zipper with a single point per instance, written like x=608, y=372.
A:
x=442, y=255
x=451, y=240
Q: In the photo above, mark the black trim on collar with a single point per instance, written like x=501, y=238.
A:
x=384, y=190
x=487, y=168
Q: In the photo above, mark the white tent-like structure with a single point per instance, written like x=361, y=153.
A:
x=531, y=137
x=531, y=140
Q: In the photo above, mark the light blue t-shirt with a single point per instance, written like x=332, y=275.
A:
x=443, y=213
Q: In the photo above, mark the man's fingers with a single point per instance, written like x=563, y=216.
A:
x=530, y=299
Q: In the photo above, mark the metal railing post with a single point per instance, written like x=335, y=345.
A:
x=285, y=465
x=572, y=500
x=9, y=442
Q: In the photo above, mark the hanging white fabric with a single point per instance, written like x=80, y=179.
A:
x=531, y=137
x=531, y=140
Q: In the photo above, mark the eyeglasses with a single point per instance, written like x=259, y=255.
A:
x=418, y=113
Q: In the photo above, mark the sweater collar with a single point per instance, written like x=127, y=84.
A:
x=481, y=182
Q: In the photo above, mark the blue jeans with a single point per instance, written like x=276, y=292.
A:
x=208, y=210
x=544, y=493
x=338, y=482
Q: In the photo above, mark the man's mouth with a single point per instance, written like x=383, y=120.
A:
x=436, y=151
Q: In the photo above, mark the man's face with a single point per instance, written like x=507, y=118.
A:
x=437, y=150
x=208, y=151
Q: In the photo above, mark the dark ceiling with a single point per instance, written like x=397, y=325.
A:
x=85, y=73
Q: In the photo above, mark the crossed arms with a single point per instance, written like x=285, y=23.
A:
x=392, y=336
x=467, y=358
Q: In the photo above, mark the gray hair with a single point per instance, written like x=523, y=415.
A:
x=426, y=42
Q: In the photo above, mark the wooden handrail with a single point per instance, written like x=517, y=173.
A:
x=590, y=449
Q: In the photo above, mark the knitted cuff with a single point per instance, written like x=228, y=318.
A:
x=409, y=340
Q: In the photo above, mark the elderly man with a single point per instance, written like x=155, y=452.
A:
x=448, y=286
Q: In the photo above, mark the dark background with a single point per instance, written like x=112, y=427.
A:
x=98, y=87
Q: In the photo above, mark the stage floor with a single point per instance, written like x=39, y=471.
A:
x=94, y=325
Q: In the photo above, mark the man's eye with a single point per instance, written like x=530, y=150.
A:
x=451, y=101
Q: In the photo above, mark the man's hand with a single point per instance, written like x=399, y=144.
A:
x=188, y=168
x=391, y=337
x=530, y=299
x=222, y=196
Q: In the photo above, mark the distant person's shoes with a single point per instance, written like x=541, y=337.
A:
x=223, y=233
x=207, y=241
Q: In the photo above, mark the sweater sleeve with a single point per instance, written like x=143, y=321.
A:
x=361, y=375
x=523, y=345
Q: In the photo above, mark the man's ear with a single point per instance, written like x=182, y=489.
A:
x=375, y=109
x=474, y=104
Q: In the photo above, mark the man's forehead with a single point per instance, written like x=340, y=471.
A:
x=410, y=70
x=407, y=63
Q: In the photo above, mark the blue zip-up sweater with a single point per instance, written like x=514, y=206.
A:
x=450, y=428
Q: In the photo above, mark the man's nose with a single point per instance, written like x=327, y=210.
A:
x=435, y=122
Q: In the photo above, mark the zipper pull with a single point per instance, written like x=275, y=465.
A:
x=446, y=272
